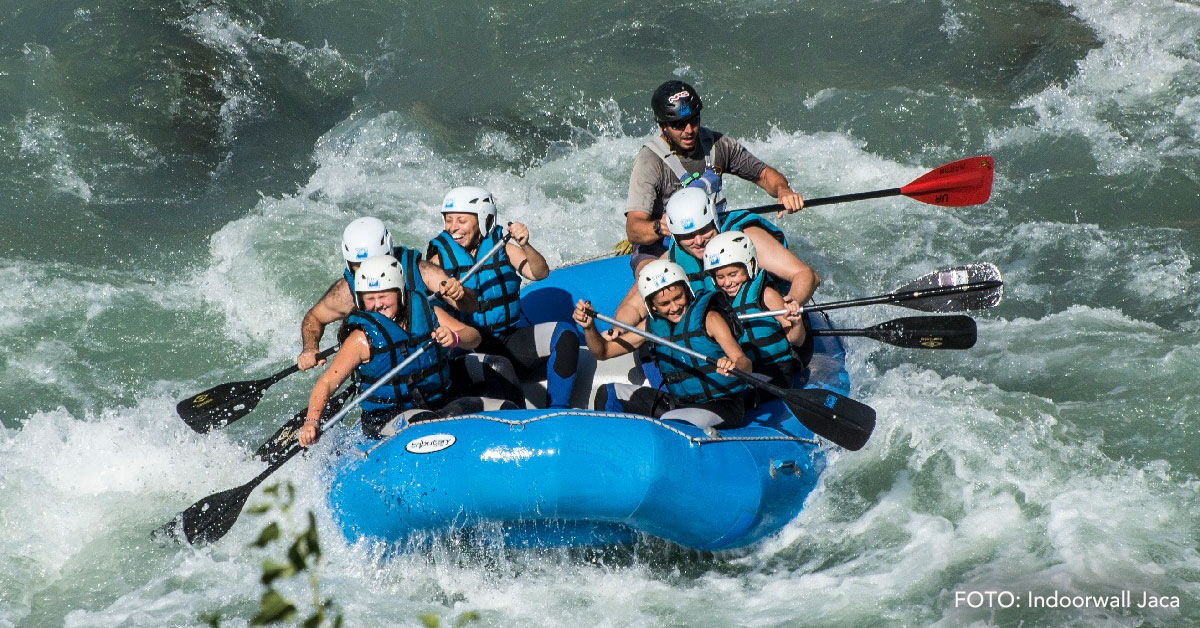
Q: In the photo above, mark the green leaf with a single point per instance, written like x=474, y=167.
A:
x=271, y=490
x=296, y=555
x=465, y=618
x=430, y=620
x=312, y=622
x=273, y=609
x=259, y=509
x=268, y=534
x=272, y=571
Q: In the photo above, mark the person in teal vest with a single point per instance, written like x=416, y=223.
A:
x=693, y=222
x=547, y=350
x=363, y=238
x=390, y=323
x=695, y=391
x=731, y=263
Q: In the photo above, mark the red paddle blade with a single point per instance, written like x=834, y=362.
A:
x=964, y=182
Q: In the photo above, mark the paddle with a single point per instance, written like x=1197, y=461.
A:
x=211, y=518
x=916, y=332
x=277, y=445
x=841, y=420
x=958, y=289
x=223, y=404
x=957, y=184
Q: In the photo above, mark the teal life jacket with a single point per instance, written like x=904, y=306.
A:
x=421, y=384
x=408, y=259
x=735, y=220
x=496, y=284
x=687, y=378
x=763, y=339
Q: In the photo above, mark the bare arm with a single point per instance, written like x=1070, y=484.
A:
x=784, y=264
x=355, y=350
x=526, y=259
x=459, y=297
x=603, y=349
x=718, y=330
x=334, y=305
x=793, y=327
x=775, y=184
x=452, y=332
x=639, y=228
x=632, y=310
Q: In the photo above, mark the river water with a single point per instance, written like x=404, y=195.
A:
x=176, y=176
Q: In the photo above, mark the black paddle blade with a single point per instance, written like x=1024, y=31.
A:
x=970, y=287
x=927, y=332
x=917, y=332
x=277, y=446
x=221, y=405
x=211, y=518
x=843, y=421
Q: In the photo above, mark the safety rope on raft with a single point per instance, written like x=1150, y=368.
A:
x=695, y=440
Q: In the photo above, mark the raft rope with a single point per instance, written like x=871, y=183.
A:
x=694, y=440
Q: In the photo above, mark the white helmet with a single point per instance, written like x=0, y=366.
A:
x=731, y=247
x=658, y=275
x=688, y=210
x=379, y=273
x=365, y=237
x=469, y=199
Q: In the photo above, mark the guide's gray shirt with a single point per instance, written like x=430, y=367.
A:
x=651, y=182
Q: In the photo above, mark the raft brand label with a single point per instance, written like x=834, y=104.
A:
x=429, y=444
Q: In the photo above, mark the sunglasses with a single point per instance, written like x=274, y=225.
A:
x=680, y=125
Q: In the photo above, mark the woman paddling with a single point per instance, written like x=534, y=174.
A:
x=732, y=264
x=696, y=391
x=547, y=349
x=390, y=325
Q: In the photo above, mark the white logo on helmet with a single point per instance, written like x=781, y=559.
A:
x=660, y=280
x=678, y=96
x=714, y=259
x=361, y=253
x=374, y=283
x=688, y=223
x=449, y=203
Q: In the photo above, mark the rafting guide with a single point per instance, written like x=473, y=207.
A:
x=688, y=156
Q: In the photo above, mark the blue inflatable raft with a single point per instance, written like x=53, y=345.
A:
x=547, y=478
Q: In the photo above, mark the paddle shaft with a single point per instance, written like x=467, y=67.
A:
x=829, y=200
x=492, y=251
x=891, y=297
x=769, y=387
x=294, y=368
x=373, y=387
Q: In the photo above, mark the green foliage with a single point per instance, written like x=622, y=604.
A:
x=433, y=621
x=303, y=558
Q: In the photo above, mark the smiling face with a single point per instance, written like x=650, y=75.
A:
x=730, y=278
x=670, y=302
x=693, y=243
x=386, y=302
x=464, y=228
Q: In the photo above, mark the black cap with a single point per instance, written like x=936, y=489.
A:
x=674, y=101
